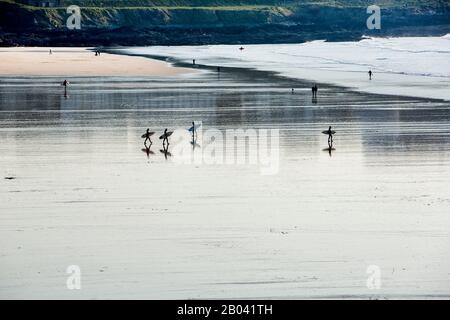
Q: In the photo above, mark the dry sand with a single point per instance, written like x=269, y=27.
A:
x=79, y=62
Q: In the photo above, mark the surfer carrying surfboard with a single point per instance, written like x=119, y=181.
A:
x=165, y=136
x=330, y=133
x=147, y=136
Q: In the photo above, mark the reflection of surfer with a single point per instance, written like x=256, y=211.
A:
x=147, y=151
x=165, y=151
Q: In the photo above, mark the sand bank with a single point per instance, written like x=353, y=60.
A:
x=79, y=62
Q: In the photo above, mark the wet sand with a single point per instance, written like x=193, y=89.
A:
x=78, y=62
x=84, y=193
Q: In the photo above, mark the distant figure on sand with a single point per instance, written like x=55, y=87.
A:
x=370, y=74
x=314, y=90
x=50, y=52
x=193, y=62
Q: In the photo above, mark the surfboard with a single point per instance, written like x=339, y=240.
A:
x=169, y=133
x=194, y=128
x=149, y=134
x=328, y=132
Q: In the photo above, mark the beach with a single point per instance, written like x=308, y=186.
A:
x=406, y=66
x=72, y=62
x=78, y=187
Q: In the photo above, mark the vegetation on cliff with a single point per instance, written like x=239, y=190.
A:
x=143, y=22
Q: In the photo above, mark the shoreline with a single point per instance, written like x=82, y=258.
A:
x=397, y=71
x=270, y=74
x=136, y=65
x=79, y=62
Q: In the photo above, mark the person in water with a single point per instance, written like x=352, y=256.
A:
x=65, y=83
x=147, y=137
x=193, y=62
x=370, y=74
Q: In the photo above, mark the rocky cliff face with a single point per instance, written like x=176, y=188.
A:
x=258, y=23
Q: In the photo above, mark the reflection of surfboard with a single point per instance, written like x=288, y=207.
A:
x=194, y=128
x=166, y=135
x=147, y=151
x=328, y=132
x=149, y=134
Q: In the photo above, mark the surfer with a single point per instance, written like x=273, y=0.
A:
x=147, y=135
x=194, y=130
x=370, y=74
x=166, y=136
x=330, y=136
x=241, y=48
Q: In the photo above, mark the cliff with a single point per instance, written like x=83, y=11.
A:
x=149, y=22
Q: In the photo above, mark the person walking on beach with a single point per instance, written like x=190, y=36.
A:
x=314, y=90
x=65, y=83
x=165, y=136
x=330, y=136
x=147, y=135
x=50, y=52
x=370, y=74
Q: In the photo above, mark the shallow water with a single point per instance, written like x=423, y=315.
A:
x=85, y=193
